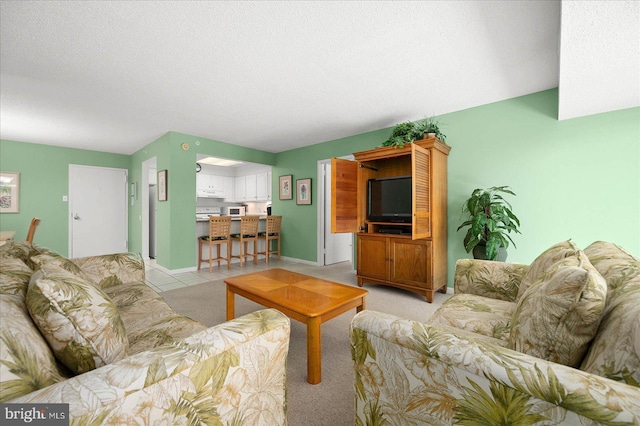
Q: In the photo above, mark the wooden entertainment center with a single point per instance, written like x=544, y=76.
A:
x=411, y=256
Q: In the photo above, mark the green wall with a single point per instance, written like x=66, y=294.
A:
x=176, y=227
x=44, y=179
x=575, y=179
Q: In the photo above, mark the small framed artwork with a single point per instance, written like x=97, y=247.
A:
x=162, y=185
x=286, y=192
x=303, y=191
x=9, y=192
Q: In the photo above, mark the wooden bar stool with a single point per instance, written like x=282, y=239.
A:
x=32, y=229
x=219, y=229
x=271, y=233
x=248, y=233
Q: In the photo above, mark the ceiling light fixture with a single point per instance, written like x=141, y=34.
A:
x=219, y=161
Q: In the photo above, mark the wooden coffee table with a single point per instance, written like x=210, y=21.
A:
x=306, y=299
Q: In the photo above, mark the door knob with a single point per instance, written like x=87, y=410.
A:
x=76, y=217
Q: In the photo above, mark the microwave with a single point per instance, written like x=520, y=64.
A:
x=234, y=211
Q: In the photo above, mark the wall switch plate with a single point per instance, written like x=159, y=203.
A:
x=65, y=198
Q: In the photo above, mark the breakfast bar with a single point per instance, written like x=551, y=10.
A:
x=202, y=228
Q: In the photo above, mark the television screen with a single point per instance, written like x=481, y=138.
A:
x=389, y=199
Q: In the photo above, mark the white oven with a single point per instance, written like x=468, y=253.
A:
x=235, y=211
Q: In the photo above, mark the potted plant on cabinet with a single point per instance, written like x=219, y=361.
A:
x=405, y=133
x=430, y=127
x=490, y=222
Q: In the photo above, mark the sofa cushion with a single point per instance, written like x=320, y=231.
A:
x=22, y=250
x=80, y=322
x=14, y=276
x=62, y=262
x=478, y=314
x=162, y=331
x=138, y=304
x=544, y=261
x=26, y=361
x=559, y=314
x=615, y=351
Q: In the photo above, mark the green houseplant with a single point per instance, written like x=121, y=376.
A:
x=430, y=126
x=490, y=222
x=408, y=132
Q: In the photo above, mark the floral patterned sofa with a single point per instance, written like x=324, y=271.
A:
x=554, y=342
x=89, y=332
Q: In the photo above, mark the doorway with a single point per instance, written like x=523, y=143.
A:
x=332, y=248
x=98, y=211
x=148, y=224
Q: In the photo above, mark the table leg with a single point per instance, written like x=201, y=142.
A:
x=314, y=351
x=363, y=306
x=230, y=304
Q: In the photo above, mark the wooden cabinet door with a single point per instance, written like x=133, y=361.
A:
x=410, y=261
x=373, y=257
x=344, y=196
x=421, y=192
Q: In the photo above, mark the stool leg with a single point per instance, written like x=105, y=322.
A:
x=278, y=247
x=210, y=257
x=199, y=254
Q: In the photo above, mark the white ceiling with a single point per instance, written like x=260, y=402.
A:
x=114, y=76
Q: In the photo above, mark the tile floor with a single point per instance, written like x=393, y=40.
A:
x=161, y=281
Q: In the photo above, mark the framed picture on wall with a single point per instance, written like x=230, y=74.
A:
x=303, y=191
x=9, y=192
x=286, y=192
x=162, y=185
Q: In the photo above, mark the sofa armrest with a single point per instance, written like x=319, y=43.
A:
x=497, y=280
x=113, y=269
x=413, y=373
x=232, y=373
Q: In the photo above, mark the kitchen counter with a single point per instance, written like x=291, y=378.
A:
x=234, y=219
x=202, y=228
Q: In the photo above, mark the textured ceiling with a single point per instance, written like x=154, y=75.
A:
x=115, y=76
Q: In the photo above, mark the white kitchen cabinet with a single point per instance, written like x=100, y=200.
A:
x=211, y=185
x=262, y=185
x=240, y=188
x=251, y=188
x=228, y=192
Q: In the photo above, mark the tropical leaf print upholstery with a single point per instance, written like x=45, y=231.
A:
x=230, y=374
x=615, y=351
x=559, y=314
x=181, y=373
x=542, y=263
x=80, y=322
x=482, y=315
x=453, y=369
x=26, y=361
x=410, y=373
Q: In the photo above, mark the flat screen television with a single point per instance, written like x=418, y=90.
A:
x=389, y=199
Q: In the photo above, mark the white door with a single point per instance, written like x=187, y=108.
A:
x=98, y=210
x=337, y=247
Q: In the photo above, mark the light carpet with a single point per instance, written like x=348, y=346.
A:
x=330, y=402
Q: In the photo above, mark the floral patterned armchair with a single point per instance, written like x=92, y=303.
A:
x=89, y=332
x=482, y=358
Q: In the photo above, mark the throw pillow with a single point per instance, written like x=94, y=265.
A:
x=64, y=263
x=543, y=262
x=80, y=322
x=558, y=315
